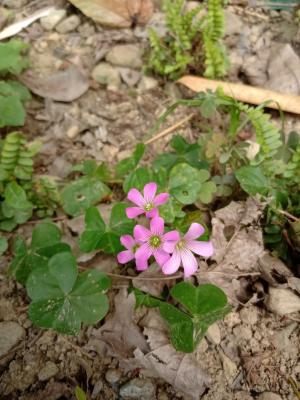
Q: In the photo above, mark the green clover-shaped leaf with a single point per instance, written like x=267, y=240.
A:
x=62, y=299
x=98, y=236
x=253, y=180
x=137, y=179
x=128, y=164
x=44, y=244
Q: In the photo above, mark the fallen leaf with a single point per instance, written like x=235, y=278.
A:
x=294, y=283
x=18, y=26
x=282, y=301
x=116, y=13
x=66, y=86
x=273, y=270
x=120, y=335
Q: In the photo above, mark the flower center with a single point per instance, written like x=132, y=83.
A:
x=180, y=245
x=155, y=241
x=148, y=206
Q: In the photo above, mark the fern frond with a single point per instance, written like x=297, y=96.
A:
x=292, y=171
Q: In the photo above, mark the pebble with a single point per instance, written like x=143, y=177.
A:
x=48, y=371
x=106, y=74
x=141, y=389
x=249, y=315
x=269, y=396
x=213, y=334
x=230, y=368
x=232, y=319
x=113, y=375
x=147, y=83
x=129, y=76
x=11, y=333
x=50, y=22
x=125, y=55
x=242, y=332
x=69, y=24
x=282, y=301
x=233, y=23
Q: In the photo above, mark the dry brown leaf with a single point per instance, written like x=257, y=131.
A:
x=66, y=86
x=238, y=245
x=119, y=335
x=154, y=287
x=178, y=369
x=116, y=13
x=245, y=93
x=273, y=270
x=294, y=283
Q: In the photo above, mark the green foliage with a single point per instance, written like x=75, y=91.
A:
x=202, y=306
x=85, y=191
x=13, y=94
x=170, y=55
x=46, y=242
x=216, y=61
x=80, y=394
x=3, y=245
x=126, y=166
x=105, y=237
x=62, y=299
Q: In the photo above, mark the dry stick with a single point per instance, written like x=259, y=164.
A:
x=170, y=129
x=288, y=215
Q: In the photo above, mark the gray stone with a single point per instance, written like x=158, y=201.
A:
x=233, y=23
x=269, y=396
x=282, y=301
x=113, y=375
x=69, y=24
x=249, y=315
x=50, y=22
x=125, y=55
x=213, y=334
x=129, y=76
x=147, y=83
x=141, y=389
x=106, y=74
x=48, y=371
x=11, y=333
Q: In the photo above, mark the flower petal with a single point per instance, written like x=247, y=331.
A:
x=133, y=212
x=127, y=241
x=161, y=199
x=189, y=262
x=142, y=255
x=150, y=191
x=153, y=213
x=157, y=225
x=204, y=249
x=172, y=235
x=194, y=231
x=161, y=257
x=169, y=246
x=125, y=256
x=141, y=233
x=172, y=265
x=136, y=197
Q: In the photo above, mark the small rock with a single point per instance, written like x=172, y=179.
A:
x=50, y=22
x=60, y=167
x=11, y=333
x=113, y=375
x=48, y=371
x=147, y=83
x=242, y=332
x=69, y=24
x=269, y=396
x=130, y=76
x=125, y=55
x=213, y=334
x=281, y=339
x=249, y=315
x=73, y=131
x=7, y=312
x=141, y=389
x=242, y=396
x=232, y=319
x=282, y=301
x=233, y=23
x=106, y=74
x=5, y=16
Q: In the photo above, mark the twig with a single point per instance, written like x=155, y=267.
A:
x=55, y=219
x=170, y=129
x=160, y=278
x=288, y=215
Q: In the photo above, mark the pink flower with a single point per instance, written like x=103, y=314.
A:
x=183, y=252
x=131, y=245
x=146, y=204
x=154, y=243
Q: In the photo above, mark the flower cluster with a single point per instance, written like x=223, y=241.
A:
x=169, y=249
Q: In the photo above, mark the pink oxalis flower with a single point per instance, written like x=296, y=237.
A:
x=183, y=251
x=131, y=245
x=154, y=243
x=146, y=204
